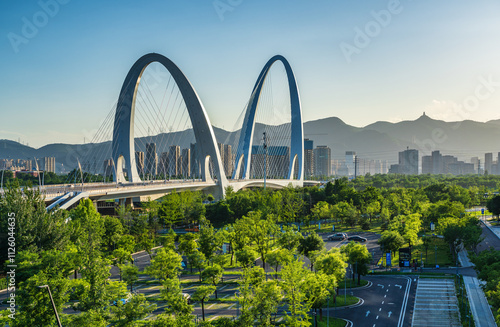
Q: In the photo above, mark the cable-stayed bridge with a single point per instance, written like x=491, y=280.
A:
x=159, y=138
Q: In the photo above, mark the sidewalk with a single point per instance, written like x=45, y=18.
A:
x=481, y=311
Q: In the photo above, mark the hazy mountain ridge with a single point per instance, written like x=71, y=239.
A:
x=380, y=140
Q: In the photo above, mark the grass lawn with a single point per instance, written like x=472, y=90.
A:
x=351, y=284
x=438, y=253
x=375, y=227
x=342, y=301
x=333, y=322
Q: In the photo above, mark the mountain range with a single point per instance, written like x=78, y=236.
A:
x=380, y=140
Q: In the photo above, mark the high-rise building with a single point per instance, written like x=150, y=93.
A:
x=437, y=162
x=278, y=161
x=350, y=160
x=488, y=161
x=151, y=166
x=186, y=162
x=174, y=164
x=49, y=164
x=427, y=165
x=139, y=162
x=308, y=158
x=195, y=162
x=323, y=161
x=408, y=162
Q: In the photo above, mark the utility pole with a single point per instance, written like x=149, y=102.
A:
x=265, y=159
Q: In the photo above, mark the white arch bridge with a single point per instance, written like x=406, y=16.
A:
x=123, y=145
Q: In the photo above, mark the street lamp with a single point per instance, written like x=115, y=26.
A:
x=53, y=304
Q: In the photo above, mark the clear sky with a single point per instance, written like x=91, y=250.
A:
x=62, y=67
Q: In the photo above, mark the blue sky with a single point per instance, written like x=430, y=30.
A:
x=441, y=57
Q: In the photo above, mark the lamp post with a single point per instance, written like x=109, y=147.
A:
x=345, y=288
x=53, y=304
x=435, y=256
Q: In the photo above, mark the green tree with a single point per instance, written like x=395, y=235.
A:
x=177, y=303
x=198, y=261
x=201, y=294
x=358, y=256
x=259, y=232
x=137, y=308
x=246, y=257
x=130, y=274
x=294, y=285
x=311, y=244
x=35, y=229
x=34, y=305
x=279, y=257
x=113, y=230
x=265, y=302
x=320, y=287
x=332, y=263
x=165, y=265
x=290, y=238
x=212, y=274
x=391, y=241
x=493, y=205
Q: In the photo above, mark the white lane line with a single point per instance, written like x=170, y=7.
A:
x=383, y=302
x=376, y=318
x=405, y=302
x=223, y=287
x=379, y=309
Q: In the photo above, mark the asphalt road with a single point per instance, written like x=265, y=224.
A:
x=386, y=302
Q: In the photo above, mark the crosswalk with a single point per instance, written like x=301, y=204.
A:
x=436, y=304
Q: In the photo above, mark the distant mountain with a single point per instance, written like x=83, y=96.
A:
x=380, y=140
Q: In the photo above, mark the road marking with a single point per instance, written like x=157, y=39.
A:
x=367, y=313
x=387, y=291
x=226, y=296
x=376, y=318
x=405, y=302
x=383, y=302
x=398, y=286
x=385, y=295
x=223, y=287
x=380, y=309
x=390, y=313
x=381, y=285
x=231, y=306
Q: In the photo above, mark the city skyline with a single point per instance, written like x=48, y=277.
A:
x=416, y=56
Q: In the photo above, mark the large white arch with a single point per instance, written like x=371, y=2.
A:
x=123, y=149
x=244, y=152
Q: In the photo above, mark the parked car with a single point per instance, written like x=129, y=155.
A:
x=356, y=238
x=337, y=237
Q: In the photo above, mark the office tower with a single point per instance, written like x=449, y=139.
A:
x=49, y=164
x=408, y=162
x=139, y=162
x=323, y=161
x=151, y=159
x=308, y=158
x=350, y=159
x=488, y=161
